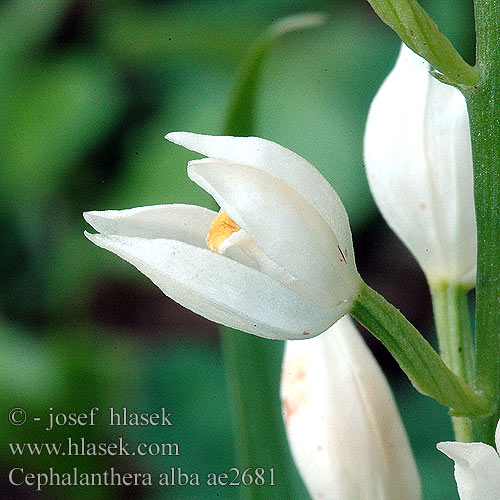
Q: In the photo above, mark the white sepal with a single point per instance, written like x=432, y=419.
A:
x=219, y=288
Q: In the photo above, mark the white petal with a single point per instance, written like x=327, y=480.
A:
x=477, y=469
x=285, y=226
x=221, y=289
x=187, y=223
x=419, y=165
x=280, y=163
x=342, y=422
x=497, y=437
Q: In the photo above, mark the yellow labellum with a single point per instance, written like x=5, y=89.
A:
x=221, y=228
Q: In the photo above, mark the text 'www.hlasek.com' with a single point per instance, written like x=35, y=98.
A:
x=83, y=446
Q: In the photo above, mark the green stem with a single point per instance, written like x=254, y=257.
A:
x=417, y=30
x=483, y=102
x=415, y=356
x=253, y=373
x=451, y=315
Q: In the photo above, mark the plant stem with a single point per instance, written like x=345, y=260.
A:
x=451, y=315
x=415, y=356
x=419, y=32
x=483, y=101
x=253, y=373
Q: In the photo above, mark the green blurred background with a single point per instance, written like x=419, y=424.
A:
x=88, y=90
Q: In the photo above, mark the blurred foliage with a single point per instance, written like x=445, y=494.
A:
x=69, y=371
x=88, y=89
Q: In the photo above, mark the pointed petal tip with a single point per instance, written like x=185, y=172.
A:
x=456, y=451
x=90, y=213
x=171, y=136
x=103, y=240
x=98, y=238
x=465, y=453
x=202, y=143
x=89, y=217
x=181, y=138
x=89, y=236
x=93, y=217
x=445, y=447
x=194, y=166
x=203, y=161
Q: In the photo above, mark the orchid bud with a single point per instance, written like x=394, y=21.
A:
x=342, y=422
x=419, y=165
x=277, y=261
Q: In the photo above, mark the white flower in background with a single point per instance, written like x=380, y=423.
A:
x=281, y=262
x=477, y=468
x=419, y=165
x=342, y=423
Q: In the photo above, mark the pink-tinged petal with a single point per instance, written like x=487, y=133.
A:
x=342, y=423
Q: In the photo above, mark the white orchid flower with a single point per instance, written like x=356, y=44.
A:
x=342, y=422
x=281, y=262
x=477, y=468
x=418, y=161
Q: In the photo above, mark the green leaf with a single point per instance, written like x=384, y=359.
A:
x=241, y=115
